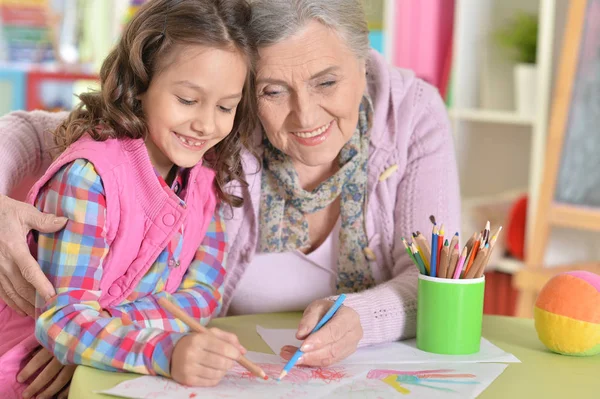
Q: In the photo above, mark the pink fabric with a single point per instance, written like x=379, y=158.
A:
x=308, y=276
x=422, y=37
x=140, y=213
x=411, y=130
x=16, y=345
x=141, y=217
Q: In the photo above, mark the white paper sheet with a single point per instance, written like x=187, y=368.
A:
x=403, y=352
x=347, y=382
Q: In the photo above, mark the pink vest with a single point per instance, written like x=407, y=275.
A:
x=141, y=218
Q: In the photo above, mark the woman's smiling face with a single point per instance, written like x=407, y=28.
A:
x=310, y=87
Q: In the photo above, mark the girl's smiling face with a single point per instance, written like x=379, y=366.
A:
x=190, y=104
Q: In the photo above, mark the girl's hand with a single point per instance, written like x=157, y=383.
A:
x=335, y=341
x=53, y=373
x=201, y=360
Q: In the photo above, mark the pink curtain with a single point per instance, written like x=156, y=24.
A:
x=423, y=38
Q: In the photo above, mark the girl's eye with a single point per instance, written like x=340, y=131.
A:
x=186, y=102
x=226, y=110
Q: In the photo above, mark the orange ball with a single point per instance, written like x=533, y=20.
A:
x=567, y=314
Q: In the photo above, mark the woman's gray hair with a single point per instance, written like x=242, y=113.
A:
x=276, y=20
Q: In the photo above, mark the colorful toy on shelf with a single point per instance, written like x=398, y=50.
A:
x=24, y=31
x=567, y=314
x=54, y=91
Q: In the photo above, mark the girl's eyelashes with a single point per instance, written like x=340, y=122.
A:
x=226, y=110
x=185, y=102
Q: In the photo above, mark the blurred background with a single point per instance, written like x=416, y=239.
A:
x=495, y=62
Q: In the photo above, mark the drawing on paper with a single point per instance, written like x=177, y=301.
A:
x=423, y=378
x=296, y=375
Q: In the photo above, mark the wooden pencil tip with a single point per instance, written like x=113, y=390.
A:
x=266, y=377
x=456, y=234
x=432, y=218
x=283, y=374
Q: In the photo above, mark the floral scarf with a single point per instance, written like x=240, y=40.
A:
x=284, y=204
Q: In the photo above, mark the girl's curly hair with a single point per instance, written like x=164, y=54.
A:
x=154, y=32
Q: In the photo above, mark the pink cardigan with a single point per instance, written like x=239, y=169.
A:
x=411, y=134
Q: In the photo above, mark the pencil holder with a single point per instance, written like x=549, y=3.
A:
x=449, y=315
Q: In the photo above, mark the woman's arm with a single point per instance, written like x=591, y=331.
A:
x=24, y=143
x=429, y=186
x=70, y=324
x=388, y=311
x=200, y=293
x=24, y=138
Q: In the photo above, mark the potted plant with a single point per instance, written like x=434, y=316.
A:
x=519, y=37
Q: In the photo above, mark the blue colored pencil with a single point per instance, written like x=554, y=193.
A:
x=434, y=250
x=334, y=308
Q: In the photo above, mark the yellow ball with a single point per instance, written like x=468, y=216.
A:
x=567, y=314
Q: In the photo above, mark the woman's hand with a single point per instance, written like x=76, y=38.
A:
x=20, y=274
x=335, y=341
x=202, y=360
x=58, y=375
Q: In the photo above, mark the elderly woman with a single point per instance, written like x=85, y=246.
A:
x=354, y=155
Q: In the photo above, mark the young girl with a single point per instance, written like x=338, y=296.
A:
x=141, y=202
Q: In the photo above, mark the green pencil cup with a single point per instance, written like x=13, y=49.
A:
x=449, y=315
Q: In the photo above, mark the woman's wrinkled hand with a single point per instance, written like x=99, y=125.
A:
x=335, y=341
x=20, y=274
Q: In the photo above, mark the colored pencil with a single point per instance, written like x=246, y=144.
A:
x=330, y=313
x=409, y=251
x=440, y=245
x=472, y=254
x=444, y=256
x=423, y=248
x=477, y=263
x=471, y=241
x=434, y=251
x=453, y=261
x=199, y=328
x=461, y=262
x=492, y=245
x=419, y=259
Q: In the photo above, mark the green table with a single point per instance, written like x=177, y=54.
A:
x=542, y=374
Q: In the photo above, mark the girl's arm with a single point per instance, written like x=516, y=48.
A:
x=200, y=293
x=70, y=324
x=25, y=141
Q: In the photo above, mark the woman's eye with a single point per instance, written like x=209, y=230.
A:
x=270, y=93
x=328, y=83
x=186, y=102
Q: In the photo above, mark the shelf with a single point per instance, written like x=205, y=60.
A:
x=487, y=116
x=507, y=265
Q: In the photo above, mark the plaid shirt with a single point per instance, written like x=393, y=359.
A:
x=140, y=335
